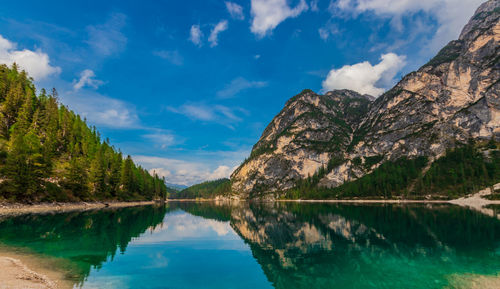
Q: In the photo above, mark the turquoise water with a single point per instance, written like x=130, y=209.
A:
x=263, y=245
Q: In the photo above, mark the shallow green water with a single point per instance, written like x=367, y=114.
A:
x=270, y=245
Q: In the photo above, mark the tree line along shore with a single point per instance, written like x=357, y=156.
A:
x=48, y=153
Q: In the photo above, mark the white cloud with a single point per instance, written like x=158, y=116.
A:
x=162, y=139
x=112, y=117
x=364, y=77
x=173, y=57
x=183, y=227
x=220, y=114
x=214, y=34
x=35, y=63
x=237, y=85
x=195, y=35
x=221, y=172
x=101, y=110
x=107, y=39
x=195, y=111
x=235, y=10
x=451, y=15
x=228, y=113
x=185, y=172
x=329, y=29
x=314, y=5
x=267, y=14
x=87, y=79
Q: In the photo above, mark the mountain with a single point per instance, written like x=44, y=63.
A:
x=205, y=190
x=326, y=141
x=175, y=186
x=309, y=132
x=49, y=153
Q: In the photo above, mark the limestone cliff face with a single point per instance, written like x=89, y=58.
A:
x=452, y=98
x=305, y=135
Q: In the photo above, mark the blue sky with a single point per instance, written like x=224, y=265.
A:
x=187, y=87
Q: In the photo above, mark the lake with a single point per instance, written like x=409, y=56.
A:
x=264, y=245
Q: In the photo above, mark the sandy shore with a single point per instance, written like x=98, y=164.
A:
x=471, y=281
x=23, y=270
x=15, y=274
x=479, y=203
x=15, y=209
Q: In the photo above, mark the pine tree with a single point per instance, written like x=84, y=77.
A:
x=47, y=152
x=76, y=179
x=127, y=177
x=97, y=176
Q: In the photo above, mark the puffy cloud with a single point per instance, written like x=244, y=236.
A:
x=235, y=10
x=221, y=172
x=119, y=117
x=107, y=39
x=173, y=57
x=267, y=14
x=183, y=226
x=364, y=77
x=451, y=15
x=87, y=79
x=214, y=34
x=35, y=63
x=195, y=35
x=101, y=110
x=184, y=172
x=237, y=85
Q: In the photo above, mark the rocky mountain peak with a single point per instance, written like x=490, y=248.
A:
x=349, y=94
x=485, y=16
x=309, y=131
x=449, y=100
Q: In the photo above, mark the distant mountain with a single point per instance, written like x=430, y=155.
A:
x=205, y=190
x=343, y=144
x=175, y=186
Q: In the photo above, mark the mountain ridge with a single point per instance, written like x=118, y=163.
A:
x=448, y=101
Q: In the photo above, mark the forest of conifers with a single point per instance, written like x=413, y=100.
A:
x=48, y=153
x=463, y=170
x=205, y=190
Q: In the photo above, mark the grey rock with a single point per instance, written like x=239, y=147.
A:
x=449, y=100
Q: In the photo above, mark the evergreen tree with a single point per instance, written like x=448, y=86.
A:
x=47, y=152
x=127, y=177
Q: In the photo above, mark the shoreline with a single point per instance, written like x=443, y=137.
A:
x=310, y=200
x=474, y=201
x=18, y=208
x=16, y=274
x=459, y=201
x=23, y=269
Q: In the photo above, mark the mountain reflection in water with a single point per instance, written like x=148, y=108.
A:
x=364, y=246
x=262, y=245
